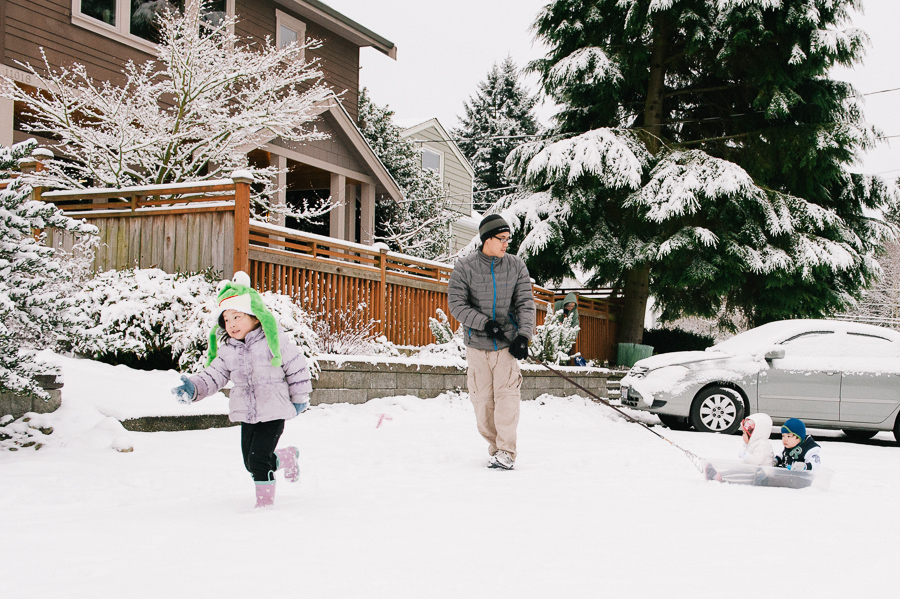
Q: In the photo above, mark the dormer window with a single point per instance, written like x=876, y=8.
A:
x=288, y=30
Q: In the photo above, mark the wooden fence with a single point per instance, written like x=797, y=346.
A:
x=191, y=227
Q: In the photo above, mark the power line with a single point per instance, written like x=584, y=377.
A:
x=882, y=91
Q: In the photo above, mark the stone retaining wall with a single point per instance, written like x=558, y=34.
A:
x=358, y=382
x=18, y=405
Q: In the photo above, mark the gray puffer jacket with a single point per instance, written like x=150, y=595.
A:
x=486, y=288
x=261, y=392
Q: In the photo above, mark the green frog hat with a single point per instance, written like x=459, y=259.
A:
x=238, y=294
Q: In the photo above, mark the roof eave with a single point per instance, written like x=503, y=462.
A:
x=327, y=17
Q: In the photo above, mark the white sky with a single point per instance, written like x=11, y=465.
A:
x=446, y=48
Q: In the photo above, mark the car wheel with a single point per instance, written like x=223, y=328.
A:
x=717, y=410
x=674, y=422
x=859, y=435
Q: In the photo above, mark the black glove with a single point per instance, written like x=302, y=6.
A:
x=493, y=329
x=519, y=347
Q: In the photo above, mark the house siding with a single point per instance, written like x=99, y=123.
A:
x=29, y=26
x=457, y=181
x=338, y=58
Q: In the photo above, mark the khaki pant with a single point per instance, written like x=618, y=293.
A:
x=494, y=381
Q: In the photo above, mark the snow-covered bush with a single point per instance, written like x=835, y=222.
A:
x=152, y=319
x=441, y=329
x=553, y=339
x=352, y=334
x=449, y=343
x=33, y=277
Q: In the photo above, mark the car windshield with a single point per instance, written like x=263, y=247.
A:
x=754, y=340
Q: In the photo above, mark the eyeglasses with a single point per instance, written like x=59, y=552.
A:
x=503, y=240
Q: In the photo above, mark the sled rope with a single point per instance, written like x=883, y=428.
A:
x=694, y=458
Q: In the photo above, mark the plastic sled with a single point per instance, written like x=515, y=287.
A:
x=739, y=473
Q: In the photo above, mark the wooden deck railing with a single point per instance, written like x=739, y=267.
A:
x=189, y=227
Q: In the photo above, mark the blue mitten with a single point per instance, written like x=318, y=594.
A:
x=797, y=466
x=301, y=407
x=186, y=391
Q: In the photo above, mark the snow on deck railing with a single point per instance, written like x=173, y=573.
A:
x=142, y=196
x=329, y=249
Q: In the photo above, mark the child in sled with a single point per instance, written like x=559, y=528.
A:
x=801, y=452
x=755, y=451
x=271, y=381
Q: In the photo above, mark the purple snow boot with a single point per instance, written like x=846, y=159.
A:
x=287, y=459
x=265, y=493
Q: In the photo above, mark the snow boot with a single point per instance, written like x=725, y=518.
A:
x=503, y=461
x=710, y=473
x=287, y=459
x=265, y=493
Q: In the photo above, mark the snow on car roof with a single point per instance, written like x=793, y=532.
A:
x=759, y=338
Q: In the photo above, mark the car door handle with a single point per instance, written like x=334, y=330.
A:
x=830, y=373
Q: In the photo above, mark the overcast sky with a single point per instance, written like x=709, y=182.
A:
x=446, y=48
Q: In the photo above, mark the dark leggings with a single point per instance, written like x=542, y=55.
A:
x=258, y=443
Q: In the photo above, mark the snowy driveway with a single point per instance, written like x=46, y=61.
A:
x=596, y=507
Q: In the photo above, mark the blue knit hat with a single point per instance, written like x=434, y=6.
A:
x=794, y=426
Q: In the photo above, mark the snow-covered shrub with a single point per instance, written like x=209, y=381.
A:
x=441, y=329
x=553, y=339
x=152, y=319
x=33, y=277
x=352, y=335
x=449, y=343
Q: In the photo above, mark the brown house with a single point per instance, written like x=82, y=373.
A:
x=105, y=34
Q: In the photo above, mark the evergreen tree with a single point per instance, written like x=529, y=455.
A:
x=32, y=276
x=419, y=225
x=498, y=117
x=701, y=155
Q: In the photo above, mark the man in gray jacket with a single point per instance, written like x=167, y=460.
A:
x=490, y=294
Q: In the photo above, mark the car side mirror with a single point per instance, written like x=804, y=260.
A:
x=776, y=353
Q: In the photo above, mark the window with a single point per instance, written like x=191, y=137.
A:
x=288, y=30
x=433, y=161
x=132, y=22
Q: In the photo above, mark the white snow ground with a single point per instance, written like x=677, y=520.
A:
x=596, y=507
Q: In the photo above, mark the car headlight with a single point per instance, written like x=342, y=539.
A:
x=638, y=372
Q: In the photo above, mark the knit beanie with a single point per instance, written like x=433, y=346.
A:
x=237, y=294
x=794, y=426
x=491, y=225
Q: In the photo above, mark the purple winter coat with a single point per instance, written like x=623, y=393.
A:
x=261, y=392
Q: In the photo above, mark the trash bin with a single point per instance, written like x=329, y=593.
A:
x=629, y=353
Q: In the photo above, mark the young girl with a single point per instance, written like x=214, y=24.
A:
x=757, y=450
x=271, y=382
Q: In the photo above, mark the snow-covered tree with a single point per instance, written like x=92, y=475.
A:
x=554, y=339
x=419, y=225
x=498, y=118
x=32, y=276
x=701, y=154
x=190, y=115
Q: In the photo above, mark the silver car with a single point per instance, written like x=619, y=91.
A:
x=830, y=374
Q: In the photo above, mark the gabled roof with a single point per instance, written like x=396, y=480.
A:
x=355, y=137
x=322, y=14
x=444, y=137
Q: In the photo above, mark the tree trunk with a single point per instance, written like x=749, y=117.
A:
x=637, y=292
x=637, y=280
